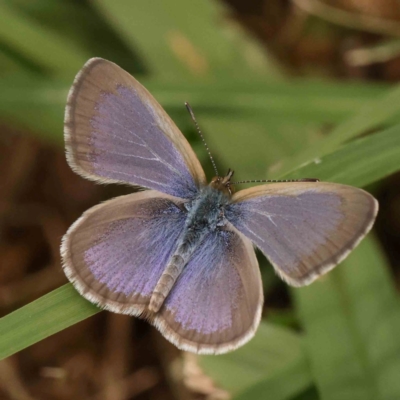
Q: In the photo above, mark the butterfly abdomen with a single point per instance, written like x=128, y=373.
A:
x=190, y=240
x=166, y=282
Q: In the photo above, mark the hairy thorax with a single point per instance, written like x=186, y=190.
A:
x=206, y=211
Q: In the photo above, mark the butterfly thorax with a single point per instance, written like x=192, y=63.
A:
x=206, y=210
x=205, y=213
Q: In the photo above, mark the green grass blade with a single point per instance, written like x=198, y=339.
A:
x=51, y=313
x=309, y=394
x=370, y=117
x=178, y=39
x=360, y=163
x=274, y=356
x=44, y=47
x=89, y=32
x=35, y=104
x=11, y=67
x=352, y=323
x=286, y=116
x=282, y=384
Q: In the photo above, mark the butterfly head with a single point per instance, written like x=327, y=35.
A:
x=223, y=183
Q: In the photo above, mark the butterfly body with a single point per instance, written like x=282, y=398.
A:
x=181, y=252
x=205, y=213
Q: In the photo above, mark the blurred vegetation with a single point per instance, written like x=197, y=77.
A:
x=281, y=89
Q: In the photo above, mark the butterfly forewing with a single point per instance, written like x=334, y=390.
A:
x=215, y=306
x=116, y=252
x=304, y=229
x=115, y=131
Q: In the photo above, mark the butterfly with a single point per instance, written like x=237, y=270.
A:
x=181, y=253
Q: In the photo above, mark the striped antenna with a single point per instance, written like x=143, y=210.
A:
x=277, y=181
x=202, y=137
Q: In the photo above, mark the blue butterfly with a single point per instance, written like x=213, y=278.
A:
x=181, y=253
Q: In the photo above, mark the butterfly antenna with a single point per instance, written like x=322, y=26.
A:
x=278, y=181
x=202, y=137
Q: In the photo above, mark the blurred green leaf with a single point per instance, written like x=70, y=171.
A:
x=9, y=65
x=55, y=53
x=372, y=116
x=51, y=313
x=34, y=104
x=85, y=28
x=282, y=118
x=352, y=323
x=273, y=363
x=360, y=163
x=181, y=39
x=309, y=394
x=292, y=383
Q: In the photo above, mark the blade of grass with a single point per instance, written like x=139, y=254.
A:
x=360, y=163
x=10, y=66
x=274, y=108
x=49, y=50
x=309, y=394
x=372, y=116
x=274, y=356
x=89, y=31
x=178, y=39
x=51, y=313
x=34, y=104
x=352, y=323
x=281, y=385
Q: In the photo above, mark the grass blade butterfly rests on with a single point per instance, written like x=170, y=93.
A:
x=180, y=254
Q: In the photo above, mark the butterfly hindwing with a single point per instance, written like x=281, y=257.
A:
x=303, y=228
x=215, y=305
x=116, y=132
x=116, y=252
